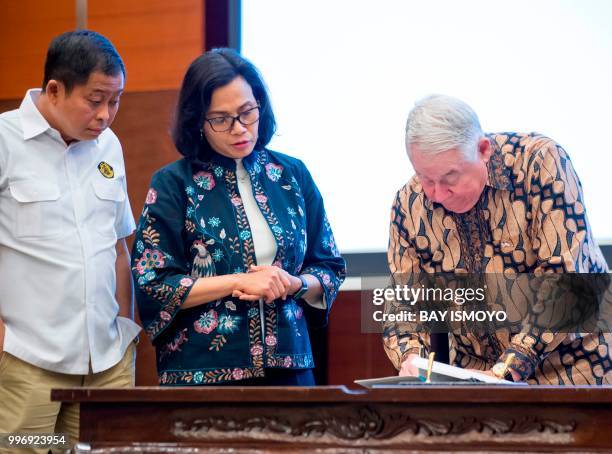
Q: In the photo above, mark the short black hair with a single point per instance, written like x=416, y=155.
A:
x=214, y=69
x=73, y=56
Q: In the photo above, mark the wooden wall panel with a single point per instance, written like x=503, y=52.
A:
x=351, y=353
x=9, y=104
x=157, y=39
x=142, y=125
x=26, y=28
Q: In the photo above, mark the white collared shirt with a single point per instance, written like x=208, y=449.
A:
x=62, y=210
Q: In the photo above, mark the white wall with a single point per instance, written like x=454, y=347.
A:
x=343, y=75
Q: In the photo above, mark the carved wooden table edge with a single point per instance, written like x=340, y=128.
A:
x=336, y=419
x=414, y=394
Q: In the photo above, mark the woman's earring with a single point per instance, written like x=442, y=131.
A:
x=201, y=136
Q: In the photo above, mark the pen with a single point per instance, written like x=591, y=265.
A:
x=429, y=367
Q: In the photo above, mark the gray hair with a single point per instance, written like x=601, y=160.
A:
x=439, y=123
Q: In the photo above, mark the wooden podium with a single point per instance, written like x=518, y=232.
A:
x=336, y=419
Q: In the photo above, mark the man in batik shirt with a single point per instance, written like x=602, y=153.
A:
x=503, y=203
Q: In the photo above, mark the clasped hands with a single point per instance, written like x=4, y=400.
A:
x=268, y=282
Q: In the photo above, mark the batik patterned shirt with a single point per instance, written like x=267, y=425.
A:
x=530, y=218
x=194, y=226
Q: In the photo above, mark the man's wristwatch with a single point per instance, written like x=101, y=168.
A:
x=502, y=371
x=303, y=289
x=502, y=368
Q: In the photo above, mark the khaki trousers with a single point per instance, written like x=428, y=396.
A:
x=25, y=396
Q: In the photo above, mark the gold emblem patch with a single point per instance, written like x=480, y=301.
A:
x=106, y=169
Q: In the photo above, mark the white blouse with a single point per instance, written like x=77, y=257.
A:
x=263, y=239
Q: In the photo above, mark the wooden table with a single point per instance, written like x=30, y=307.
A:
x=474, y=418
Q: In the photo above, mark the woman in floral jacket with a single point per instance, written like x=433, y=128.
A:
x=234, y=254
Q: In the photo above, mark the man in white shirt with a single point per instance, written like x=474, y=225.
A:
x=66, y=292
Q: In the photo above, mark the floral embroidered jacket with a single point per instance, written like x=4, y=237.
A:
x=530, y=219
x=194, y=225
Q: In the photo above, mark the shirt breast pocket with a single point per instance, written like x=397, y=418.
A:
x=38, y=210
x=109, y=197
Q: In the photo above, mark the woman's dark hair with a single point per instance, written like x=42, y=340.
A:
x=214, y=69
x=73, y=56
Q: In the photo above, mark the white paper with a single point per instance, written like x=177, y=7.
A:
x=457, y=372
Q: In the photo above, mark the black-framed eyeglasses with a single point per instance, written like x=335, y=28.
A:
x=226, y=122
